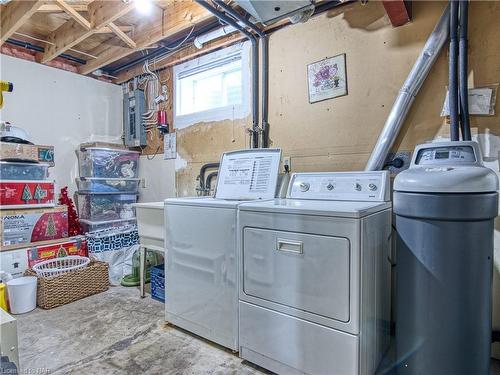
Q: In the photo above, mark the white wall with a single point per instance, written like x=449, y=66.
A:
x=62, y=109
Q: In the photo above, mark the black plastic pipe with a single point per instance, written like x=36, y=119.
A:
x=264, y=65
x=255, y=66
x=208, y=183
x=203, y=170
x=463, y=70
x=453, y=70
x=33, y=47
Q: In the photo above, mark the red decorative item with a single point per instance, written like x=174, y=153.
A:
x=75, y=246
x=74, y=227
x=51, y=226
x=21, y=228
x=24, y=194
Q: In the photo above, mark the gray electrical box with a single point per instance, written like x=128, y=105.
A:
x=268, y=12
x=134, y=106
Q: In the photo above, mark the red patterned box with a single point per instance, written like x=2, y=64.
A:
x=26, y=194
x=22, y=228
x=71, y=246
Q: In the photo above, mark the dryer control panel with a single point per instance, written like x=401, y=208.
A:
x=341, y=186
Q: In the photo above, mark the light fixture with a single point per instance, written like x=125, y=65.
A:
x=144, y=6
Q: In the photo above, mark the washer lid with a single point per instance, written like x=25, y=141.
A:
x=447, y=167
x=204, y=202
x=346, y=209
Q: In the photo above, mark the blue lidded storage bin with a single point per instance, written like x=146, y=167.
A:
x=158, y=283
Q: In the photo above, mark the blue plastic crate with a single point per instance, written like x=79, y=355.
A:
x=158, y=283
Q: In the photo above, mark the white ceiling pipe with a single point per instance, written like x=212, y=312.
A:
x=199, y=41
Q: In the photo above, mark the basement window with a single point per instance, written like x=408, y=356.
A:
x=213, y=87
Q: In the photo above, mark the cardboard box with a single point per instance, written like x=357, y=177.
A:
x=22, y=228
x=72, y=246
x=26, y=194
x=37, y=153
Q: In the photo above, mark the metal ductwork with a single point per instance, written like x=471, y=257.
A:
x=409, y=91
x=268, y=12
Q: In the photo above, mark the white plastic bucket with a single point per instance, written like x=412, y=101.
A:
x=22, y=294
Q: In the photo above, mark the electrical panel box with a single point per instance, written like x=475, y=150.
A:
x=134, y=106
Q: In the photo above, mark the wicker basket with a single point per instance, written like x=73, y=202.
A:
x=71, y=286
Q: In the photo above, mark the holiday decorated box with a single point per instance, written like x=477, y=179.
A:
x=21, y=228
x=25, y=152
x=26, y=194
x=70, y=246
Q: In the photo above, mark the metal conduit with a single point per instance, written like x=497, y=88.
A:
x=452, y=73
x=407, y=93
x=265, y=69
x=463, y=70
x=255, y=67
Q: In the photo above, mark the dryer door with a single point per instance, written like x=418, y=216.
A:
x=303, y=271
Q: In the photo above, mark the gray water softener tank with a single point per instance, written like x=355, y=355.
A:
x=444, y=206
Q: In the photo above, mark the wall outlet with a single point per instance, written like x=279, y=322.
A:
x=287, y=160
x=143, y=183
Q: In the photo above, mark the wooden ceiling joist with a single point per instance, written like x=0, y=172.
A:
x=54, y=8
x=177, y=18
x=107, y=29
x=120, y=34
x=14, y=15
x=73, y=14
x=102, y=14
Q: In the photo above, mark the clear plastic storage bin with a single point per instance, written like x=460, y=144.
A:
x=106, y=206
x=94, y=226
x=23, y=171
x=108, y=163
x=108, y=185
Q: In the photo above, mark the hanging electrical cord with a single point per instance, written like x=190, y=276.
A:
x=182, y=41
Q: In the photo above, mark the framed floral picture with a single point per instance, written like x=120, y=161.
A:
x=327, y=78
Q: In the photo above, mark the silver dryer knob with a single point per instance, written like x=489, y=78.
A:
x=304, y=186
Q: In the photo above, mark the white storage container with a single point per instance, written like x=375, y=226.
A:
x=108, y=163
x=108, y=185
x=94, y=226
x=23, y=171
x=105, y=206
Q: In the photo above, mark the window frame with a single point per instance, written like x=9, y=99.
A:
x=228, y=112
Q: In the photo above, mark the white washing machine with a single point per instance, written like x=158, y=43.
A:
x=201, y=269
x=314, y=294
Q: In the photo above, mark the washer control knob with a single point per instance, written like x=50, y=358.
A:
x=357, y=187
x=372, y=187
x=330, y=186
x=304, y=186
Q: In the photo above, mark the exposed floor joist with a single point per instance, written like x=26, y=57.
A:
x=178, y=17
x=54, y=8
x=102, y=14
x=14, y=15
x=73, y=14
x=120, y=34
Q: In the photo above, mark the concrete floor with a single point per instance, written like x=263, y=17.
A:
x=116, y=332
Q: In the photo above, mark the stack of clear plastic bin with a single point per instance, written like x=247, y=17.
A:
x=107, y=187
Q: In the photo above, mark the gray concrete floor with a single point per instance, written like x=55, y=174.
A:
x=116, y=332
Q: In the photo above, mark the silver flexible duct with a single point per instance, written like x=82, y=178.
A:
x=407, y=94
